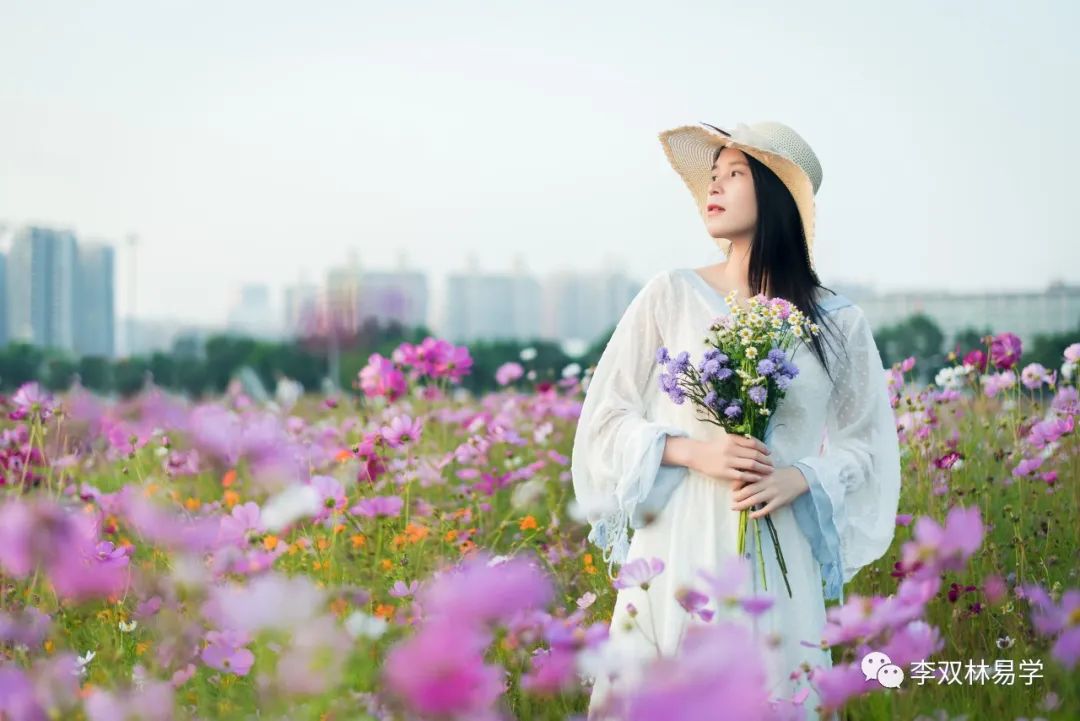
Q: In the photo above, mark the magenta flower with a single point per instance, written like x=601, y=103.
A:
x=380, y=377
x=1061, y=620
x=378, y=506
x=402, y=431
x=638, y=572
x=225, y=651
x=440, y=671
x=1005, y=350
x=976, y=359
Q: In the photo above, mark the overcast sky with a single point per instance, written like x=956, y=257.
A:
x=261, y=141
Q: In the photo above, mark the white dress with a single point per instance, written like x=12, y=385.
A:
x=842, y=437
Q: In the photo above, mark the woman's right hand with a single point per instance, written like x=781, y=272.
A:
x=735, y=458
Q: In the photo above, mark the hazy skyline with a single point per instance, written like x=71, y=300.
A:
x=249, y=142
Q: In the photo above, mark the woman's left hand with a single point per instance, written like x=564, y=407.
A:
x=781, y=487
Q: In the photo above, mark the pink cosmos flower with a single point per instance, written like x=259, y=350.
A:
x=476, y=591
x=940, y=548
x=381, y=377
x=508, y=373
x=718, y=667
x=638, y=572
x=1060, y=620
x=32, y=399
x=1035, y=374
x=440, y=671
x=402, y=431
x=1005, y=350
x=226, y=652
x=378, y=506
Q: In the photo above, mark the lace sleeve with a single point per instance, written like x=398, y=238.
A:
x=849, y=514
x=617, y=449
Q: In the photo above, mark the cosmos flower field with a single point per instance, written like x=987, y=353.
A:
x=408, y=551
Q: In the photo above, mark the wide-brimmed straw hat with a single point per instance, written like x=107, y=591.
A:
x=691, y=149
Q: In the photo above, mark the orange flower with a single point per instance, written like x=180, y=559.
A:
x=231, y=498
x=141, y=647
x=387, y=564
x=192, y=504
x=527, y=522
x=339, y=528
x=399, y=541
x=343, y=455
x=358, y=540
x=229, y=478
x=270, y=542
x=466, y=546
x=385, y=610
x=415, y=532
x=322, y=543
x=450, y=535
x=588, y=559
x=339, y=606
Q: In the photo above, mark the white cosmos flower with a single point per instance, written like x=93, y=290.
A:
x=297, y=501
x=128, y=627
x=527, y=354
x=82, y=661
x=360, y=624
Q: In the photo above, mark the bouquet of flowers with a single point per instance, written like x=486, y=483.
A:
x=741, y=379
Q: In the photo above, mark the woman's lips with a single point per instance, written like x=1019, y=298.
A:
x=714, y=210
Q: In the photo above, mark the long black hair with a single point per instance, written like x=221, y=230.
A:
x=779, y=258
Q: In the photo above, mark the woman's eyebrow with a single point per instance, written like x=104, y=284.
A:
x=733, y=163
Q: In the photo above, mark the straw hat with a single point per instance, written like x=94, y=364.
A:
x=691, y=149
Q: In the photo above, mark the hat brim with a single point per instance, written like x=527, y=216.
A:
x=690, y=149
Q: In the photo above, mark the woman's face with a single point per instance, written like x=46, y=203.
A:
x=731, y=188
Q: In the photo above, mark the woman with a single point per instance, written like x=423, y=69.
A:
x=641, y=460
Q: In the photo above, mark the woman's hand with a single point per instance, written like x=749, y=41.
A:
x=732, y=457
x=777, y=489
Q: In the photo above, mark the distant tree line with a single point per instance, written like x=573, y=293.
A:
x=207, y=369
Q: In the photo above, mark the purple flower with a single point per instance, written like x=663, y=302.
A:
x=734, y=410
x=638, y=572
x=783, y=381
x=241, y=526
x=1061, y=620
x=766, y=367
x=662, y=356
x=153, y=702
x=225, y=651
x=694, y=603
x=757, y=394
x=1005, y=350
x=378, y=506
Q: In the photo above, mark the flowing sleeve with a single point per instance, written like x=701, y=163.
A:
x=849, y=513
x=616, y=458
